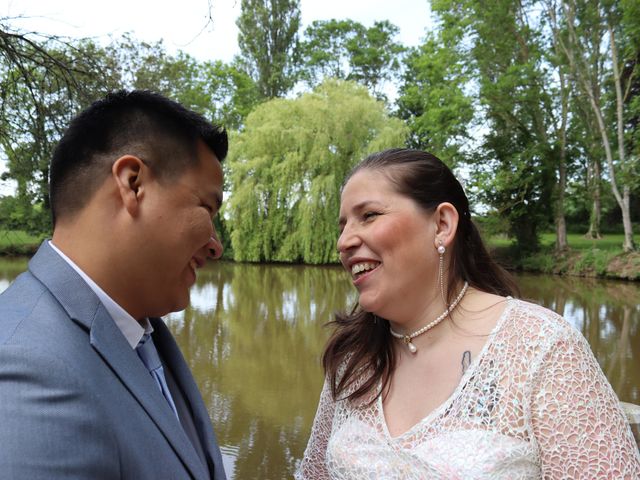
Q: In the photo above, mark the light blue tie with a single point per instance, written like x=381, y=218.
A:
x=149, y=356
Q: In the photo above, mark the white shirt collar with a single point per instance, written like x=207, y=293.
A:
x=129, y=326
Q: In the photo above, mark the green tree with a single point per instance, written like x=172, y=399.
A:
x=432, y=99
x=222, y=92
x=522, y=110
x=42, y=83
x=347, y=50
x=599, y=41
x=268, y=41
x=324, y=50
x=375, y=56
x=287, y=165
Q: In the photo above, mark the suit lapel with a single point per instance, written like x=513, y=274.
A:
x=170, y=352
x=126, y=364
x=83, y=307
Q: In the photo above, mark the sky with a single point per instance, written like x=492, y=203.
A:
x=183, y=24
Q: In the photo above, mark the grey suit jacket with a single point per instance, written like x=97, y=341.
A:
x=75, y=400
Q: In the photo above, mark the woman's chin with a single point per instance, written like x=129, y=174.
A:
x=369, y=306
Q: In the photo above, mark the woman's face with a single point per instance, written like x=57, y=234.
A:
x=387, y=244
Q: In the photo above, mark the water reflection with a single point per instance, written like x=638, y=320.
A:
x=608, y=315
x=254, y=335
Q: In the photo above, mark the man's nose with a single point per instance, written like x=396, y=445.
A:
x=214, y=248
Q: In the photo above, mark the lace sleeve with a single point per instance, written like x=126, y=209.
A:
x=577, y=421
x=314, y=465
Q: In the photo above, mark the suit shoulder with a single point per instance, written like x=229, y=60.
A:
x=17, y=303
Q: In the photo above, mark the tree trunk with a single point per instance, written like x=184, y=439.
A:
x=561, y=224
x=628, y=245
x=590, y=86
x=596, y=208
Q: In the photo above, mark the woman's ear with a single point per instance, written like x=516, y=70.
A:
x=446, y=219
x=127, y=171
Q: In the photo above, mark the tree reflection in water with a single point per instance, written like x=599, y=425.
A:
x=608, y=315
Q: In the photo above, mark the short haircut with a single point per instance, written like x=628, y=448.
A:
x=159, y=131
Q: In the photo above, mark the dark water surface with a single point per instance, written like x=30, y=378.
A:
x=254, y=335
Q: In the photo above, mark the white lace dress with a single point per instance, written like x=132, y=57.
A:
x=533, y=404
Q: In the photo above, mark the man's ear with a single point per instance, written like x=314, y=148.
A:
x=128, y=172
x=446, y=218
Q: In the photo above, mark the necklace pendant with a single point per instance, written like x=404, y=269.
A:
x=412, y=348
x=407, y=338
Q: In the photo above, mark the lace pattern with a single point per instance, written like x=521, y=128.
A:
x=534, y=404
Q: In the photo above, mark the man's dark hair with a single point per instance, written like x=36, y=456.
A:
x=159, y=131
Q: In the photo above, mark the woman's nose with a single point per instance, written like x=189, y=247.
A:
x=347, y=239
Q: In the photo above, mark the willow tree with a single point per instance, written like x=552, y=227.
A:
x=287, y=165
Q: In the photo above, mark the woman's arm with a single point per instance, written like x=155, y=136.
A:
x=314, y=465
x=577, y=421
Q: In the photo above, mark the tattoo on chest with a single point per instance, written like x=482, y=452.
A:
x=466, y=360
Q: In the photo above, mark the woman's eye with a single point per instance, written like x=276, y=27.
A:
x=369, y=215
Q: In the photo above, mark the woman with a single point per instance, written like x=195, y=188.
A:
x=441, y=372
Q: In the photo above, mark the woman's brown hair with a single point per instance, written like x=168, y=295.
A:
x=359, y=355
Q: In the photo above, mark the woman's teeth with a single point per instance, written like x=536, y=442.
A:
x=363, y=267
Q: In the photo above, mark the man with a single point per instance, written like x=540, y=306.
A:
x=84, y=394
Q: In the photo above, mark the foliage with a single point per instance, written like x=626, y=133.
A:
x=503, y=91
x=347, y=50
x=221, y=92
x=268, y=41
x=587, y=257
x=18, y=242
x=594, y=39
x=42, y=85
x=51, y=81
x=514, y=165
x=287, y=166
x=432, y=99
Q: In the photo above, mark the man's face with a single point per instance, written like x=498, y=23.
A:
x=179, y=232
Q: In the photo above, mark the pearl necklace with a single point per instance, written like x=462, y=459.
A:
x=407, y=338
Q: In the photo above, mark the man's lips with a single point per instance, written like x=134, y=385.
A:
x=196, y=263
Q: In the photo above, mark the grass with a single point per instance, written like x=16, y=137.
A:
x=18, y=242
x=585, y=257
x=609, y=242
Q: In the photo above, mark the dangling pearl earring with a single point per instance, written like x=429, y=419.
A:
x=441, y=251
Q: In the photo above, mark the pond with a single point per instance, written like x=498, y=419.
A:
x=253, y=336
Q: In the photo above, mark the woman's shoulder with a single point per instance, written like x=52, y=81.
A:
x=528, y=323
x=532, y=315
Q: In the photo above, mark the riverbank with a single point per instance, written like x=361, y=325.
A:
x=16, y=243
x=602, y=258
x=582, y=263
